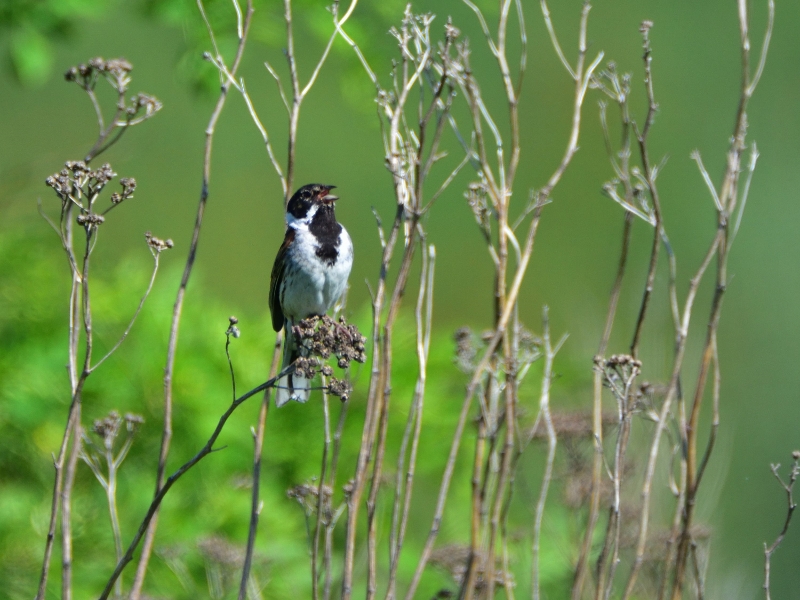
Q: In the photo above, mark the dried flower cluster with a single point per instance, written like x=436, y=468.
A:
x=79, y=185
x=455, y=559
x=220, y=551
x=572, y=425
x=158, y=245
x=108, y=428
x=128, y=187
x=77, y=181
x=477, y=199
x=319, y=338
x=233, y=329
x=619, y=371
x=466, y=349
x=85, y=74
x=307, y=496
x=117, y=72
x=469, y=347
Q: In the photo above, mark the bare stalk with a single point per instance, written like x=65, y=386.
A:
x=404, y=487
x=323, y=508
x=544, y=410
x=788, y=487
x=725, y=201
x=78, y=188
x=650, y=180
x=405, y=160
x=207, y=449
x=507, y=301
x=166, y=436
x=256, y=503
x=663, y=416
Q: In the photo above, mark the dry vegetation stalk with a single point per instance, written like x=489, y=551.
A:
x=79, y=187
x=416, y=110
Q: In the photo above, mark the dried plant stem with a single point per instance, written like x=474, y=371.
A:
x=370, y=421
x=255, y=504
x=544, y=414
x=103, y=142
x=166, y=437
x=788, y=487
x=649, y=176
x=404, y=157
x=322, y=507
x=65, y=466
x=663, y=416
x=413, y=430
x=581, y=567
x=299, y=92
x=66, y=507
x=207, y=449
x=507, y=298
x=73, y=416
x=725, y=201
x=331, y=525
x=58, y=464
x=83, y=373
x=609, y=555
x=384, y=396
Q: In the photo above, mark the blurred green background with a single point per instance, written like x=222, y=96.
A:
x=45, y=121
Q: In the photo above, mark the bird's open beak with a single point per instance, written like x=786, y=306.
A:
x=327, y=197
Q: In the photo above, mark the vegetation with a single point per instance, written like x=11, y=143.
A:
x=447, y=472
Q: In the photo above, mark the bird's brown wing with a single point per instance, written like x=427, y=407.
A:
x=275, y=281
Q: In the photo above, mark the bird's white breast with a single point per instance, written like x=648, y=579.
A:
x=312, y=285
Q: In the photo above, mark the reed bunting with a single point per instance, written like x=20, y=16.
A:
x=309, y=275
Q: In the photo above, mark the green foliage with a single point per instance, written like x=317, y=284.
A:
x=204, y=518
x=33, y=24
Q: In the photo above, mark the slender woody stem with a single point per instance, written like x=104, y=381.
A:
x=166, y=436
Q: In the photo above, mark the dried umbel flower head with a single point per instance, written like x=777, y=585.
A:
x=477, y=198
x=340, y=387
x=619, y=370
x=233, y=330
x=455, y=558
x=530, y=346
x=115, y=69
x=133, y=421
x=92, y=220
x=78, y=184
x=150, y=105
x=307, y=495
x=128, y=186
x=451, y=31
x=466, y=349
x=220, y=551
x=109, y=427
x=116, y=72
x=157, y=245
x=320, y=338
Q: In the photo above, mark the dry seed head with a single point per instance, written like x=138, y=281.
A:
x=157, y=244
x=91, y=220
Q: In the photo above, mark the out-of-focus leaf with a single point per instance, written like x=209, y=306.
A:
x=31, y=56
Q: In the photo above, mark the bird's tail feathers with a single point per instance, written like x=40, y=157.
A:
x=291, y=386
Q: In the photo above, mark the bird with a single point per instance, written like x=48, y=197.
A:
x=309, y=274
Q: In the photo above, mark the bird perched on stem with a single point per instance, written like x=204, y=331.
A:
x=309, y=275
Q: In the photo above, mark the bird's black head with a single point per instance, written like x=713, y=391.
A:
x=313, y=194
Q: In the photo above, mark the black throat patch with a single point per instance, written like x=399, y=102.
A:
x=326, y=229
